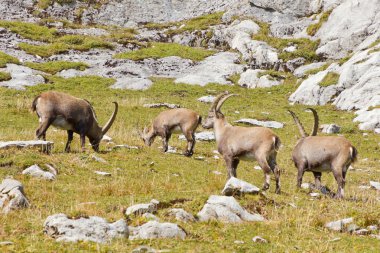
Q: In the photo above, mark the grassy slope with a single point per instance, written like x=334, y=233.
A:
x=159, y=50
x=134, y=180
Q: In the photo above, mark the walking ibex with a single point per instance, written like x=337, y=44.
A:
x=237, y=143
x=322, y=154
x=173, y=121
x=72, y=114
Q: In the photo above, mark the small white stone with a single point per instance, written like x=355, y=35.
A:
x=257, y=167
x=259, y=239
x=217, y=172
x=375, y=185
x=102, y=173
x=239, y=242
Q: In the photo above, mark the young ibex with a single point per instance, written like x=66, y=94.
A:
x=72, y=114
x=322, y=154
x=173, y=121
x=237, y=143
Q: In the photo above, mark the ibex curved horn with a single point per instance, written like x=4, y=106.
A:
x=222, y=101
x=298, y=123
x=111, y=120
x=316, y=122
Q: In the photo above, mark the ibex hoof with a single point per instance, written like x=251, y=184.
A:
x=187, y=153
x=265, y=187
x=278, y=191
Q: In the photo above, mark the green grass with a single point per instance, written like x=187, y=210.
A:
x=198, y=23
x=30, y=31
x=57, y=44
x=135, y=180
x=305, y=48
x=330, y=79
x=313, y=28
x=4, y=76
x=53, y=67
x=64, y=44
x=159, y=50
x=5, y=58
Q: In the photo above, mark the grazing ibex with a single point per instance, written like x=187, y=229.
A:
x=173, y=121
x=72, y=114
x=322, y=154
x=237, y=143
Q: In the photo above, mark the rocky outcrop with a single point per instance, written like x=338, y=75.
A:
x=235, y=186
x=214, y=69
x=36, y=171
x=93, y=228
x=21, y=77
x=140, y=209
x=252, y=79
x=181, y=215
x=351, y=23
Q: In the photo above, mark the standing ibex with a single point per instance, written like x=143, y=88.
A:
x=173, y=121
x=237, y=143
x=322, y=154
x=72, y=114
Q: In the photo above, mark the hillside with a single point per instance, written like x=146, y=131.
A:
x=277, y=56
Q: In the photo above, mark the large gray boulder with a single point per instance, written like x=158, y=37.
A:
x=349, y=24
x=214, y=69
x=226, y=209
x=301, y=71
x=93, y=228
x=12, y=196
x=140, y=209
x=154, y=230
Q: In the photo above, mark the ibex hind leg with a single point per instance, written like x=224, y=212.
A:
x=69, y=140
x=190, y=137
x=41, y=130
x=276, y=171
x=267, y=170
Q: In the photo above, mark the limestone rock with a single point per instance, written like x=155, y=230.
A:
x=21, y=77
x=238, y=186
x=167, y=105
x=93, y=228
x=259, y=239
x=299, y=8
x=12, y=196
x=140, y=209
x=226, y=209
x=36, y=171
x=255, y=122
x=252, y=79
x=43, y=145
x=214, y=69
x=300, y=71
x=339, y=225
x=201, y=136
x=154, y=230
x=330, y=128
x=207, y=99
x=181, y=215
x=349, y=24
x=375, y=185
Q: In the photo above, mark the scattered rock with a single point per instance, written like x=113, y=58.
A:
x=315, y=194
x=292, y=64
x=305, y=186
x=339, y=225
x=207, y=99
x=181, y=215
x=239, y=242
x=330, y=128
x=12, y=196
x=256, y=167
x=351, y=228
x=226, y=209
x=154, y=229
x=375, y=185
x=201, y=136
x=93, y=228
x=171, y=106
x=5, y=243
x=140, y=209
x=171, y=150
x=217, y=172
x=236, y=186
x=255, y=122
x=98, y=159
x=259, y=239
x=106, y=138
x=125, y=146
x=102, y=173
x=36, y=171
x=373, y=228
x=22, y=76
x=43, y=145
x=362, y=231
